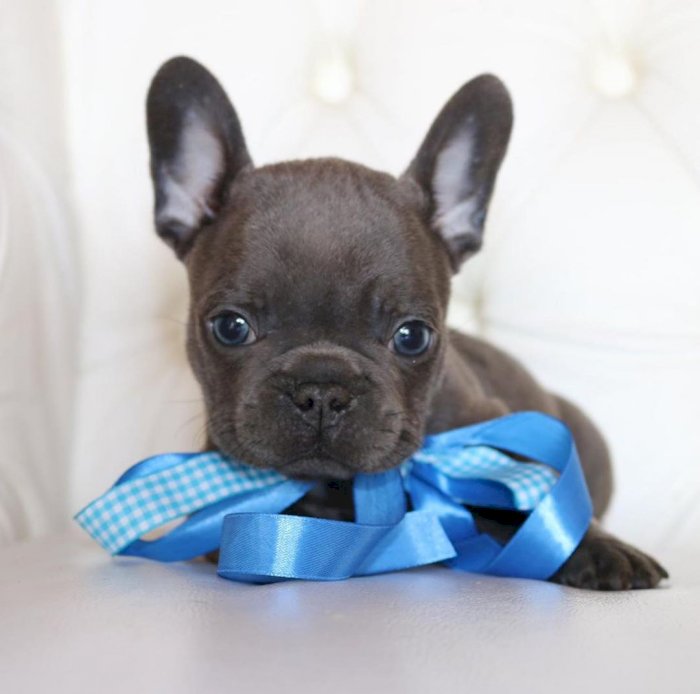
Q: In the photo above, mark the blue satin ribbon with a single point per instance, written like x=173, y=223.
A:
x=259, y=544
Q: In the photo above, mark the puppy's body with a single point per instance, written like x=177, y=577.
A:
x=319, y=291
x=482, y=382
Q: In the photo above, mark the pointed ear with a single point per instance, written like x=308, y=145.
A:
x=197, y=149
x=457, y=163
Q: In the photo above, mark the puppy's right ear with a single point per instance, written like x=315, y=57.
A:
x=197, y=149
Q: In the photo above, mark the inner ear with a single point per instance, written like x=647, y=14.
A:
x=459, y=208
x=186, y=184
x=457, y=163
x=197, y=149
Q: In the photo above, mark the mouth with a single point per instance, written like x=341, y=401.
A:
x=317, y=464
x=316, y=458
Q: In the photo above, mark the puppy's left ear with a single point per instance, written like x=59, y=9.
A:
x=197, y=149
x=457, y=163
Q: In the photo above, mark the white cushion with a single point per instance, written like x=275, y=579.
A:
x=38, y=281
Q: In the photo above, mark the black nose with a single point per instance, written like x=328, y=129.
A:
x=321, y=404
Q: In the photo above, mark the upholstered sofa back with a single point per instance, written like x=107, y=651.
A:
x=590, y=273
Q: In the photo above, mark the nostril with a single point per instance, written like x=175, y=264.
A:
x=337, y=405
x=303, y=400
x=305, y=404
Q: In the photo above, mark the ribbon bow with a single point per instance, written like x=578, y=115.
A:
x=236, y=508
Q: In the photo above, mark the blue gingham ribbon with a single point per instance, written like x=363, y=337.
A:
x=236, y=507
x=527, y=484
x=140, y=505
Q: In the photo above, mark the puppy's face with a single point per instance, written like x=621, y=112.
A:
x=316, y=325
x=318, y=288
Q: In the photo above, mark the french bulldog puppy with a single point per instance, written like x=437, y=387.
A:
x=319, y=290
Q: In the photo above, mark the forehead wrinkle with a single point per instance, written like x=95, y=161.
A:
x=397, y=300
x=324, y=278
x=313, y=228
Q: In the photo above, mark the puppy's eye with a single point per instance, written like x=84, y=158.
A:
x=412, y=338
x=231, y=329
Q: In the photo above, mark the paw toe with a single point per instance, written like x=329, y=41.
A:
x=605, y=563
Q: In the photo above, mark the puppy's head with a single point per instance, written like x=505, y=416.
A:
x=318, y=288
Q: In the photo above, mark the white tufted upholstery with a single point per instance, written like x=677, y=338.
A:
x=38, y=279
x=590, y=273
x=590, y=268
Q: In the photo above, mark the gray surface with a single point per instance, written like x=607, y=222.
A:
x=73, y=620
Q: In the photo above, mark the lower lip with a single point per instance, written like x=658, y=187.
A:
x=317, y=468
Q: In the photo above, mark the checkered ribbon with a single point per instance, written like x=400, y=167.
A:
x=528, y=483
x=137, y=506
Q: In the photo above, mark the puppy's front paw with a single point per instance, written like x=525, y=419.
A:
x=602, y=562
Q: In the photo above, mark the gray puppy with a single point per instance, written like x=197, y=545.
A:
x=318, y=297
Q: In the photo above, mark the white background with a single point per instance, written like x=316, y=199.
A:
x=590, y=275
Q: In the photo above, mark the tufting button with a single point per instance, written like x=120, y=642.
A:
x=614, y=74
x=332, y=79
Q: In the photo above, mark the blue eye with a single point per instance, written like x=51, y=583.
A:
x=231, y=329
x=412, y=338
